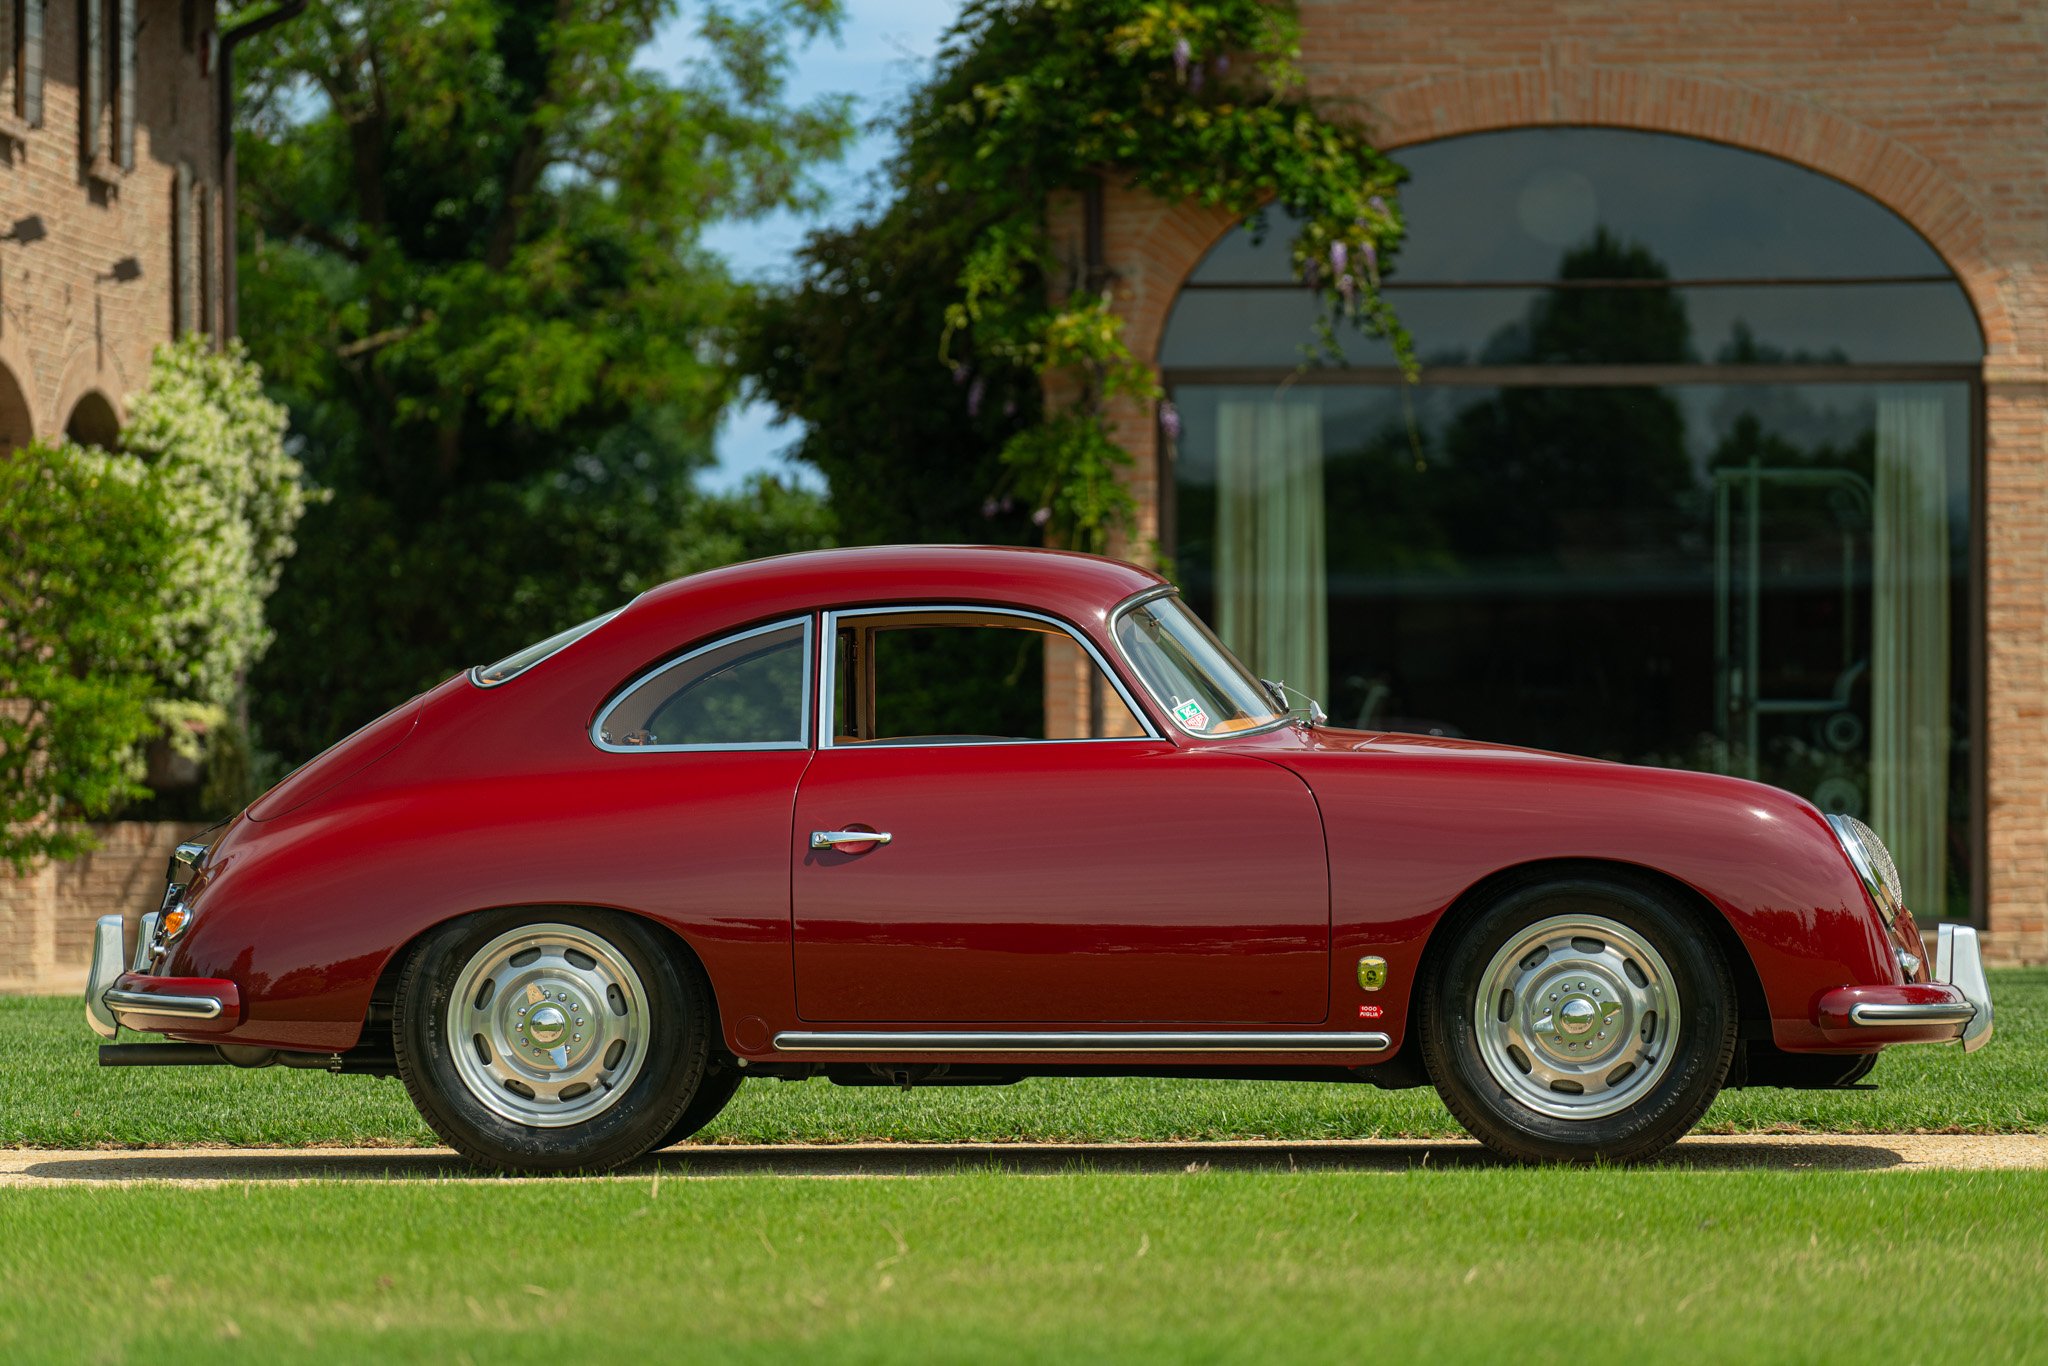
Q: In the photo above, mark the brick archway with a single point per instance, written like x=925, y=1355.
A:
x=17, y=419
x=1154, y=246
x=85, y=374
x=1891, y=172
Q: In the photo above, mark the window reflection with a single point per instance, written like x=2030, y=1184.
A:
x=1769, y=581
x=1500, y=206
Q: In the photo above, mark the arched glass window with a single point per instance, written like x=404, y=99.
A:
x=1689, y=479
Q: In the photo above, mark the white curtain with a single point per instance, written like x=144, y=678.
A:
x=1271, y=568
x=1909, y=749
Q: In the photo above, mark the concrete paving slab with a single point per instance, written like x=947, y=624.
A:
x=25, y=1167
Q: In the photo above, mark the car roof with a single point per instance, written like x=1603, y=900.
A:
x=1081, y=588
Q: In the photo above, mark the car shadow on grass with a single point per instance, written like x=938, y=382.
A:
x=854, y=1160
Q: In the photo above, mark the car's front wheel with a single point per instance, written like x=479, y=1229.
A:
x=1578, y=1018
x=550, y=1040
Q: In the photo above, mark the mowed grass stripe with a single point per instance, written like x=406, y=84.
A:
x=52, y=1094
x=1528, y=1266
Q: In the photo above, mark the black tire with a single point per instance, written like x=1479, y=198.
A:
x=1500, y=1114
x=713, y=1095
x=674, y=1062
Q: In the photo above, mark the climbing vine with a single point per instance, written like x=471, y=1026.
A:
x=1189, y=102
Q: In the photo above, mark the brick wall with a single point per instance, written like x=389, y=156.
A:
x=1938, y=110
x=46, y=916
x=68, y=326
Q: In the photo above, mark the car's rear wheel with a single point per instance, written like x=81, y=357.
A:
x=551, y=1040
x=1579, y=1018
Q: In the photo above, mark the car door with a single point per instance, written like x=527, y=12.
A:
x=1034, y=875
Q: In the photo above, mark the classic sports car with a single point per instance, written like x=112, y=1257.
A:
x=783, y=820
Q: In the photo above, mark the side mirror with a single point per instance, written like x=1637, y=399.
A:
x=1278, y=691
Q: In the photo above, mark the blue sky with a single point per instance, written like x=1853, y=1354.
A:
x=884, y=48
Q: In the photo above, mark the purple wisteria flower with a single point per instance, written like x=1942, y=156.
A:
x=1169, y=419
x=1340, y=255
x=1041, y=517
x=975, y=391
x=961, y=372
x=1195, y=81
x=1376, y=204
x=1347, y=287
x=1222, y=63
x=1372, y=261
x=988, y=509
x=1183, y=53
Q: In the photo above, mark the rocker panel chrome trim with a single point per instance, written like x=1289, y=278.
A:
x=896, y=1043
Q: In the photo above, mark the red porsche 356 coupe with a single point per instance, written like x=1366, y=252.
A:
x=766, y=821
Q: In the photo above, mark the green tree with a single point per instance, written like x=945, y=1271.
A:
x=472, y=268
x=85, y=541
x=234, y=497
x=908, y=446
x=1033, y=99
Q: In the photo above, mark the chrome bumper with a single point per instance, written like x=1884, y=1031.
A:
x=107, y=964
x=1957, y=964
x=106, y=1003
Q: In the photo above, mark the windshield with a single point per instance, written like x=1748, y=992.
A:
x=1199, y=683
x=511, y=666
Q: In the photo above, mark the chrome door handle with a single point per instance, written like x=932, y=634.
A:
x=838, y=839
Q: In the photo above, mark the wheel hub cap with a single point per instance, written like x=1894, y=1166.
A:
x=1576, y=1017
x=548, y=1024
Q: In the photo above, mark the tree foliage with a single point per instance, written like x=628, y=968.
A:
x=1033, y=98
x=908, y=447
x=85, y=541
x=140, y=607
x=233, y=497
x=472, y=270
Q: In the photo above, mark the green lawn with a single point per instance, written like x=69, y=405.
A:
x=53, y=1095
x=1501, y=1265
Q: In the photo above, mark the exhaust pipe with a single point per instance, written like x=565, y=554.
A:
x=160, y=1055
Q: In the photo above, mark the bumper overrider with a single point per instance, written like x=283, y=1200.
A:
x=119, y=990
x=1954, y=1007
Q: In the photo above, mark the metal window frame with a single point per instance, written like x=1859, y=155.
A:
x=1151, y=595
x=828, y=681
x=1976, y=647
x=807, y=623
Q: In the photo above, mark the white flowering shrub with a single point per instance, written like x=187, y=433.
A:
x=233, y=495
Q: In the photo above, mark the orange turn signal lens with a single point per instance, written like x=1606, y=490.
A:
x=174, y=920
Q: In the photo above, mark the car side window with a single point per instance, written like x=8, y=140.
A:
x=968, y=677
x=748, y=691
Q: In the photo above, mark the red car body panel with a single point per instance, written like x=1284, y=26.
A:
x=1231, y=881
x=1131, y=882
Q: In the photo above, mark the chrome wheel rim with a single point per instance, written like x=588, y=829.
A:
x=549, y=1025
x=1577, y=1017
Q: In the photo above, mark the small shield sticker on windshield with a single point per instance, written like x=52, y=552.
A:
x=1191, y=715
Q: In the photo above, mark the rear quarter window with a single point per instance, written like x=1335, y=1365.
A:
x=744, y=691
